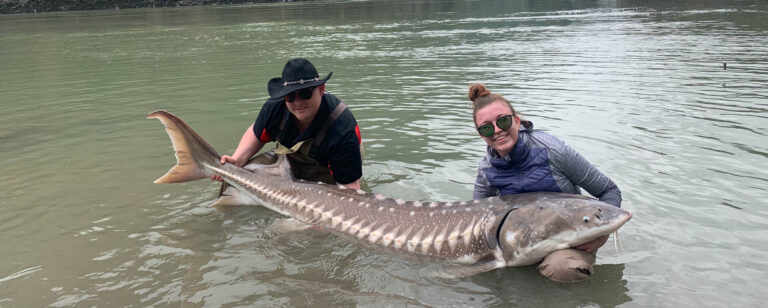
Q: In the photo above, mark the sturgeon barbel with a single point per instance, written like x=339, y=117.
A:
x=491, y=233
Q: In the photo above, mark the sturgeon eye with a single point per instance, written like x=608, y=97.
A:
x=586, y=219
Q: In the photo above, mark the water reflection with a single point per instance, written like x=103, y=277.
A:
x=606, y=288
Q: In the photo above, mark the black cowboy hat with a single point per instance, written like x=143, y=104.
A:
x=297, y=74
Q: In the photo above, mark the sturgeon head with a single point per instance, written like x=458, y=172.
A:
x=549, y=222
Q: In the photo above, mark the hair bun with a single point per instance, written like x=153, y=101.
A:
x=478, y=90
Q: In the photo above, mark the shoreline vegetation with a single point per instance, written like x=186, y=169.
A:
x=40, y=6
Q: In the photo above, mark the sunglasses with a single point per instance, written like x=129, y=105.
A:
x=304, y=94
x=502, y=122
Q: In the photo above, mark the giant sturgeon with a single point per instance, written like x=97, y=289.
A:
x=491, y=233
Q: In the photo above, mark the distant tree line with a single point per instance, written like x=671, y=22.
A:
x=38, y=6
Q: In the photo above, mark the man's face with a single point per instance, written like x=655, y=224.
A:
x=305, y=109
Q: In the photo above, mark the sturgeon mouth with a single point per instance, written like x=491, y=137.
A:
x=612, y=226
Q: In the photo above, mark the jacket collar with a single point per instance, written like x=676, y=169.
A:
x=519, y=153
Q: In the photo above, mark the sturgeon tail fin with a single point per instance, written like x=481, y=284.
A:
x=192, y=152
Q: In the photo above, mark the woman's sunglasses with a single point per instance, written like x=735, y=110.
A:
x=304, y=94
x=502, y=122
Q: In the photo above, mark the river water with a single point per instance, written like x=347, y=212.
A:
x=637, y=87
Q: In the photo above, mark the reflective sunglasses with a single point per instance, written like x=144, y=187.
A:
x=502, y=122
x=304, y=94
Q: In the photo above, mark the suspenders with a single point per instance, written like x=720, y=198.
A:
x=328, y=122
x=323, y=129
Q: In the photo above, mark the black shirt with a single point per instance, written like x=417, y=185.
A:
x=340, y=149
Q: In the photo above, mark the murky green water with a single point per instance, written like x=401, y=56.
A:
x=638, y=87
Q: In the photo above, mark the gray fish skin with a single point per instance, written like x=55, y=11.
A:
x=495, y=232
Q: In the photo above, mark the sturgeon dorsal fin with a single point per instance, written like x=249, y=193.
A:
x=281, y=168
x=282, y=162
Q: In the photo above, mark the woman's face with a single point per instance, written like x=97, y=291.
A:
x=502, y=140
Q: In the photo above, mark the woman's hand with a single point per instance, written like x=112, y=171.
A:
x=593, y=245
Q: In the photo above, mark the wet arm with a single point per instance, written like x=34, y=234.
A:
x=482, y=188
x=346, y=162
x=585, y=175
x=248, y=146
x=353, y=185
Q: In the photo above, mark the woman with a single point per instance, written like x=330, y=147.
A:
x=520, y=159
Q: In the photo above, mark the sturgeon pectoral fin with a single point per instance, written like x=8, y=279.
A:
x=459, y=271
x=231, y=196
x=288, y=225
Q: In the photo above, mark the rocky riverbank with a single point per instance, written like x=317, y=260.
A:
x=39, y=6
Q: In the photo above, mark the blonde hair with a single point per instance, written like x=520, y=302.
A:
x=482, y=97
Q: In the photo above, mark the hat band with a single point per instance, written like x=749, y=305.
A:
x=300, y=81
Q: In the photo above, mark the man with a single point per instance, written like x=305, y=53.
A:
x=316, y=131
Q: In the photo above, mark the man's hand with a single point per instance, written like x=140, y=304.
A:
x=593, y=245
x=225, y=159
x=248, y=146
x=353, y=185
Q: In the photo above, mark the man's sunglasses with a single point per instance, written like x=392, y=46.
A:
x=304, y=94
x=502, y=122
